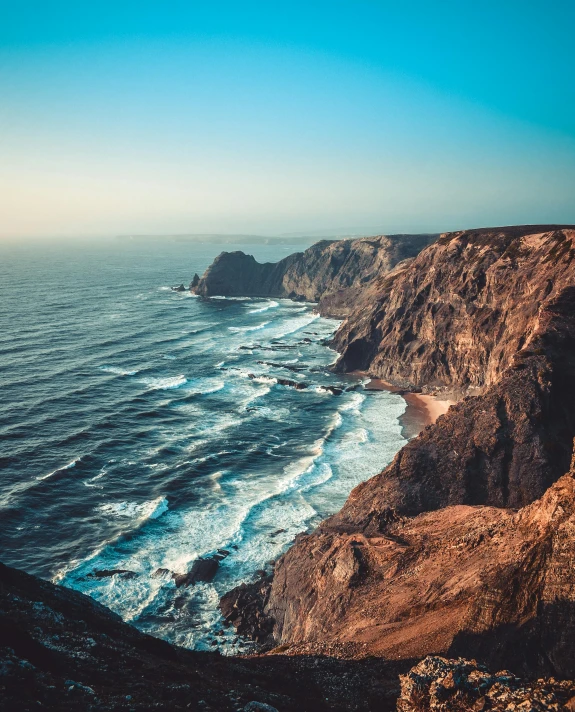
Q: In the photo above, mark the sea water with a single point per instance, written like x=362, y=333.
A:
x=143, y=428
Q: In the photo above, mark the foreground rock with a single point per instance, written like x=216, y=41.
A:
x=60, y=650
x=441, y=685
x=485, y=582
x=332, y=272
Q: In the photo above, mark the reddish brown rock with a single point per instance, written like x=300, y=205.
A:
x=503, y=448
x=461, y=310
x=494, y=583
x=440, y=685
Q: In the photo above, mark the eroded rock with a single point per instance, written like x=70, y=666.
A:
x=440, y=685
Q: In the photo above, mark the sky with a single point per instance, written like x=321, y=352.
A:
x=281, y=117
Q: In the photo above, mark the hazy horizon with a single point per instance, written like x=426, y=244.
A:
x=243, y=118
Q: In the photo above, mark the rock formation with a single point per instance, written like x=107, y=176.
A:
x=460, y=311
x=482, y=581
x=332, y=272
x=432, y=556
x=440, y=685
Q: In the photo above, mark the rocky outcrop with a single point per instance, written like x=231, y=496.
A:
x=487, y=582
x=440, y=685
x=432, y=556
x=503, y=448
x=333, y=273
x=461, y=310
x=60, y=650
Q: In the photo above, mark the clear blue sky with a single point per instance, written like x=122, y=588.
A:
x=274, y=117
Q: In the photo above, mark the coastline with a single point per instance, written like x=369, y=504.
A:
x=421, y=410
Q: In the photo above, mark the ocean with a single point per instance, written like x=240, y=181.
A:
x=142, y=428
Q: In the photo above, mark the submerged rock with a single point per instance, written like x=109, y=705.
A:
x=203, y=569
x=105, y=573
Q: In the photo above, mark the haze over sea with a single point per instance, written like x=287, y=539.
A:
x=133, y=436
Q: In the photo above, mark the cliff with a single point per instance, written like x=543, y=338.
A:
x=486, y=582
x=461, y=310
x=432, y=556
x=333, y=273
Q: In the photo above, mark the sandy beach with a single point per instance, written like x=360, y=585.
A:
x=421, y=409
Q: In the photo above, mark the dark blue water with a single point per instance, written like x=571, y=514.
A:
x=133, y=437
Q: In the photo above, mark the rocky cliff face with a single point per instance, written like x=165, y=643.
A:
x=461, y=310
x=503, y=448
x=431, y=555
x=487, y=582
x=334, y=272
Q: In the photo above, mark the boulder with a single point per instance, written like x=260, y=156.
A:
x=203, y=569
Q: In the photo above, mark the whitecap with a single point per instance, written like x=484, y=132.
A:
x=134, y=510
x=164, y=383
x=269, y=305
x=353, y=403
x=234, y=299
x=205, y=386
x=117, y=371
x=60, y=469
x=292, y=325
x=265, y=379
x=238, y=329
x=99, y=476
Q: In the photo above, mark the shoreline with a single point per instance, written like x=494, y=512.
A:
x=421, y=410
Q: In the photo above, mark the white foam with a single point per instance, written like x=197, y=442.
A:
x=60, y=469
x=240, y=329
x=264, y=379
x=269, y=305
x=324, y=473
x=234, y=299
x=204, y=386
x=102, y=473
x=354, y=402
x=164, y=383
x=134, y=510
x=291, y=326
x=118, y=371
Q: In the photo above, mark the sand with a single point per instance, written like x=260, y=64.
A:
x=421, y=409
